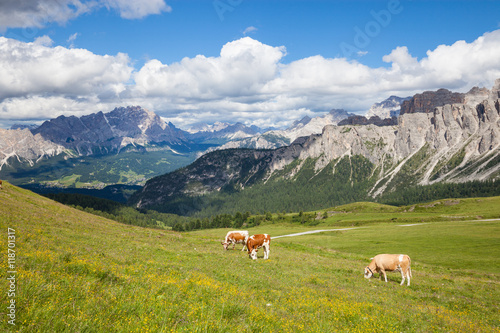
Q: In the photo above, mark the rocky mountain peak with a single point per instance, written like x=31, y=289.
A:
x=388, y=108
x=374, y=120
x=427, y=101
x=125, y=118
x=300, y=123
x=106, y=132
x=22, y=146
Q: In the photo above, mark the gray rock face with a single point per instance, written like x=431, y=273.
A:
x=110, y=132
x=461, y=142
x=23, y=146
x=428, y=100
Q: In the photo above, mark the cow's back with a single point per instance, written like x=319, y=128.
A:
x=238, y=236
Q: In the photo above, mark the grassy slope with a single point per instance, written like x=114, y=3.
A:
x=80, y=273
x=362, y=213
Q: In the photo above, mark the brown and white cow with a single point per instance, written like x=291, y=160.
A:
x=256, y=242
x=235, y=237
x=389, y=262
x=1, y=184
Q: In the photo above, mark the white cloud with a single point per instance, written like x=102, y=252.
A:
x=34, y=70
x=38, y=13
x=249, y=30
x=242, y=69
x=43, y=41
x=134, y=9
x=248, y=81
x=71, y=40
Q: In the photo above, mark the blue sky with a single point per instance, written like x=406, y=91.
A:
x=283, y=59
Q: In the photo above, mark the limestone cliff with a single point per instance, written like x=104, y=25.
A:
x=22, y=146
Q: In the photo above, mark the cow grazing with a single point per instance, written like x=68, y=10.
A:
x=234, y=237
x=389, y=262
x=256, y=242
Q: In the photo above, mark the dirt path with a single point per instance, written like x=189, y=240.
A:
x=315, y=232
x=398, y=225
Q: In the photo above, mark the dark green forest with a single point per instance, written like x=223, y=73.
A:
x=117, y=211
x=305, y=191
x=419, y=194
x=234, y=218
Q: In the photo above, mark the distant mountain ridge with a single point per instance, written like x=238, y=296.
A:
x=388, y=108
x=100, y=133
x=222, y=131
x=279, y=138
x=104, y=133
x=124, y=146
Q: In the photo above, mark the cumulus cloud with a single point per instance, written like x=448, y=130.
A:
x=34, y=68
x=38, y=13
x=248, y=81
x=41, y=80
x=242, y=69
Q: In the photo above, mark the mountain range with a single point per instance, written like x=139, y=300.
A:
x=126, y=145
x=278, y=138
x=440, y=137
x=129, y=145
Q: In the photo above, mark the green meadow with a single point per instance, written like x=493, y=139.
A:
x=77, y=272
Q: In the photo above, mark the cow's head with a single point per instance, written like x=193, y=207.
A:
x=224, y=244
x=252, y=254
x=368, y=272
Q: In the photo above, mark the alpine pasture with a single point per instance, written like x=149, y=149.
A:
x=77, y=272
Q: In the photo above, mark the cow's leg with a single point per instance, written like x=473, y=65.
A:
x=266, y=252
x=402, y=277
x=408, y=275
x=385, y=275
x=244, y=247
